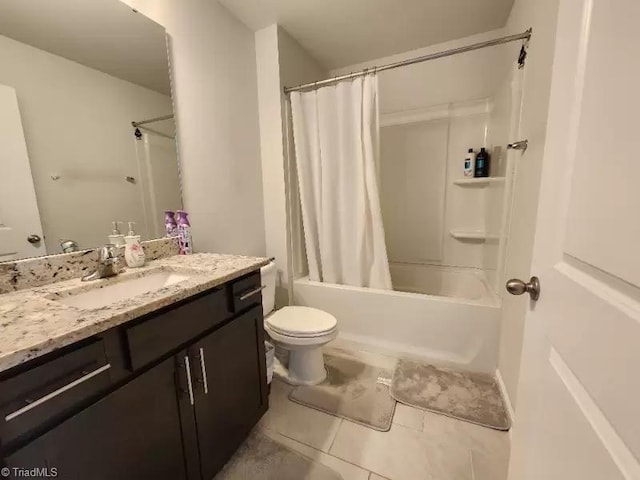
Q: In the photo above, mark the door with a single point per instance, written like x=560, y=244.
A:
x=230, y=378
x=19, y=217
x=133, y=433
x=578, y=413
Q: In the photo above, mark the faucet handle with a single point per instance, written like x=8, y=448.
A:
x=108, y=253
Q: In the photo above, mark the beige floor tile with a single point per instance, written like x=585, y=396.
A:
x=347, y=470
x=408, y=416
x=401, y=453
x=489, y=448
x=298, y=422
x=375, y=476
x=489, y=467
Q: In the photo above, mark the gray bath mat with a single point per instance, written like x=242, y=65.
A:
x=352, y=390
x=471, y=397
x=262, y=458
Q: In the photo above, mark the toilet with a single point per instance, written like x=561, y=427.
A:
x=300, y=331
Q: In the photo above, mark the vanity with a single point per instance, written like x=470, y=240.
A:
x=157, y=373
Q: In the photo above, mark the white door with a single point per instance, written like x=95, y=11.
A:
x=19, y=217
x=578, y=413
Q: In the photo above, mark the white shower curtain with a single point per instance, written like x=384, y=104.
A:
x=336, y=144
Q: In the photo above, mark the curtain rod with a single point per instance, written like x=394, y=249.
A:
x=151, y=120
x=526, y=35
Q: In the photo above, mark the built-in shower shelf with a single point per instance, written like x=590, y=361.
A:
x=472, y=235
x=478, y=182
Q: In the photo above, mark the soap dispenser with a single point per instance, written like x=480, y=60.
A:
x=116, y=237
x=133, y=251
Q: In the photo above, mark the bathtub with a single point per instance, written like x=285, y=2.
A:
x=464, y=283
x=444, y=315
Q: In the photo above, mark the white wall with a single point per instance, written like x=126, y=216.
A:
x=541, y=15
x=421, y=204
x=281, y=62
x=458, y=78
x=212, y=57
x=77, y=124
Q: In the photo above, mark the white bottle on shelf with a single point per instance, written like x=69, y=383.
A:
x=133, y=252
x=116, y=237
x=469, y=163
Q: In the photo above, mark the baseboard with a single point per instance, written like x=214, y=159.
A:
x=507, y=399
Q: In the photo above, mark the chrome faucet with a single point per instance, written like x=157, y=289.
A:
x=109, y=263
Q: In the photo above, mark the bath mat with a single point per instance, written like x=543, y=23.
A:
x=352, y=390
x=466, y=396
x=262, y=458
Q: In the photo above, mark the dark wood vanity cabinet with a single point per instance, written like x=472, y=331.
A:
x=225, y=381
x=133, y=432
x=175, y=413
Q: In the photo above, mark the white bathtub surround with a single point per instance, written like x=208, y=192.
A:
x=336, y=142
x=463, y=283
x=446, y=331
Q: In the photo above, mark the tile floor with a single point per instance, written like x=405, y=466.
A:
x=420, y=445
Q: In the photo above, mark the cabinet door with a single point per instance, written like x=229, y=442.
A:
x=133, y=433
x=231, y=389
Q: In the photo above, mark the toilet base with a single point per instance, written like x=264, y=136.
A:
x=306, y=367
x=301, y=367
x=300, y=364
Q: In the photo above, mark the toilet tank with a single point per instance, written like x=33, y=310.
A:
x=268, y=277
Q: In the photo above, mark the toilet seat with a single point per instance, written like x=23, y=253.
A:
x=301, y=322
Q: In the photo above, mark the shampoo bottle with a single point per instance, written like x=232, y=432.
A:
x=184, y=233
x=116, y=238
x=170, y=225
x=482, y=164
x=133, y=252
x=469, y=163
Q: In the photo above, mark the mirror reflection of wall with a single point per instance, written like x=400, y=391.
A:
x=75, y=76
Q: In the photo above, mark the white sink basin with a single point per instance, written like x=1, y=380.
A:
x=122, y=290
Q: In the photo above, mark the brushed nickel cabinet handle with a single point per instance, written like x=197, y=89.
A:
x=203, y=368
x=34, y=403
x=250, y=293
x=187, y=367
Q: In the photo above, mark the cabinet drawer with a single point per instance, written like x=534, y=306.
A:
x=162, y=333
x=246, y=292
x=41, y=394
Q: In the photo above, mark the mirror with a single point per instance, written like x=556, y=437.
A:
x=75, y=74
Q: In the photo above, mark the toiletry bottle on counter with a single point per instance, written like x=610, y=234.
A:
x=482, y=164
x=133, y=252
x=116, y=237
x=170, y=224
x=184, y=233
x=469, y=163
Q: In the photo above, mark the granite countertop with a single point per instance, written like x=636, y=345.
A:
x=33, y=322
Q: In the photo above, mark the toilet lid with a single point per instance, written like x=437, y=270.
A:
x=301, y=322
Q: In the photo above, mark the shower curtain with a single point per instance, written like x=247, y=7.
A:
x=335, y=133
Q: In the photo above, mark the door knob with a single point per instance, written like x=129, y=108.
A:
x=521, y=145
x=34, y=238
x=515, y=286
